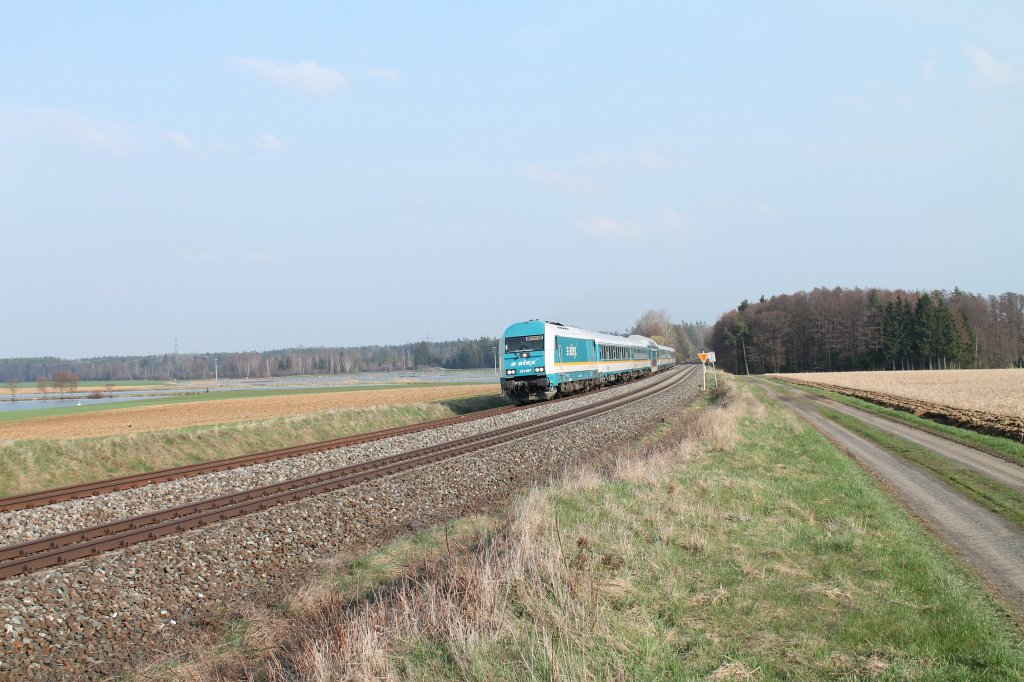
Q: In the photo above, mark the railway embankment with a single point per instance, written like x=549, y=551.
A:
x=742, y=546
x=89, y=618
x=30, y=462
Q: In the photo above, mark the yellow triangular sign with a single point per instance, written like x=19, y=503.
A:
x=703, y=357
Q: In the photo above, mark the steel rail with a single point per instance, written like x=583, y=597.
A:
x=81, y=490
x=59, y=549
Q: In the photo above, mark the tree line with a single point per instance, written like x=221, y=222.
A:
x=835, y=330
x=479, y=353
x=457, y=354
x=688, y=338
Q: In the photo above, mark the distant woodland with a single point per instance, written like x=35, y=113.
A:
x=833, y=330
x=458, y=354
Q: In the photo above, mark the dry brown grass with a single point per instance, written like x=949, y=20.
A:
x=772, y=558
x=535, y=581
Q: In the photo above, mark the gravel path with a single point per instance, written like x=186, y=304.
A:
x=89, y=618
x=996, y=468
x=990, y=544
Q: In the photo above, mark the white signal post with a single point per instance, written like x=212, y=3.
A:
x=705, y=358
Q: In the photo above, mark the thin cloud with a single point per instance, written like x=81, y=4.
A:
x=268, y=143
x=91, y=136
x=258, y=257
x=604, y=226
x=181, y=141
x=596, y=160
x=384, y=73
x=647, y=159
x=201, y=256
x=989, y=71
x=650, y=159
x=673, y=221
x=668, y=222
x=930, y=69
x=854, y=102
x=54, y=123
x=560, y=182
x=307, y=78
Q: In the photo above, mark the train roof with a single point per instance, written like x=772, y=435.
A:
x=642, y=340
x=633, y=340
x=597, y=336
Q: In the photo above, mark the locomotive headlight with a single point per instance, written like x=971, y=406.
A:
x=538, y=370
x=510, y=371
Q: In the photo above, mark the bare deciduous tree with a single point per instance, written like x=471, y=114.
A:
x=65, y=381
x=42, y=383
x=654, y=323
x=12, y=386
x=110, y=390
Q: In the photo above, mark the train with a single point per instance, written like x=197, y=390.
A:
x=544, y=360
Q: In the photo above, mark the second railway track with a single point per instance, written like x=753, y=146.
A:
x=59, y=549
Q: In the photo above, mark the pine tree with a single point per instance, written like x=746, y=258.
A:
x=924, y=337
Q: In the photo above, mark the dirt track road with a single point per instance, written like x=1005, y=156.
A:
x=990, y=545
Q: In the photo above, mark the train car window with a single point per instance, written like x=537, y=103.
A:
x=516, y=344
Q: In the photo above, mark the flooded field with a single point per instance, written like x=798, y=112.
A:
x=33, y=400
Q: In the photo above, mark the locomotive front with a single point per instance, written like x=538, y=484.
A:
x=523, y=366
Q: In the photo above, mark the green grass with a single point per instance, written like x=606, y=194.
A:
x=368, y=572
x=17, y=415
x=992, y=495
x=777, y=553
x=762, y=551
x=35, y=464
x=994, y=445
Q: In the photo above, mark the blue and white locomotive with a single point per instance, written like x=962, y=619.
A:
x=546, y=359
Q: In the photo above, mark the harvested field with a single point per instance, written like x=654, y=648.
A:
x=985, y=400
x=158, y=417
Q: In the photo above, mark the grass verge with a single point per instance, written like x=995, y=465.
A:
x=992, y=495
x=750, y=548
x=35, y=464
x=994, y=445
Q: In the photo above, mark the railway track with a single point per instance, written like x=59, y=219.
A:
x=110, y=485
x=60, y=549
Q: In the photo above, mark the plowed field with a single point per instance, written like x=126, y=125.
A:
x=158, y=417
x=990, y=401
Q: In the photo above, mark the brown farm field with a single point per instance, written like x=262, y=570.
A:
x=159, y=417
x=987, y=400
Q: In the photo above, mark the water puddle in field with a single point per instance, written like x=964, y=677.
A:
x=34, y=401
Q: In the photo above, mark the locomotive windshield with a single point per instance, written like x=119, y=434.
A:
x=516, y=344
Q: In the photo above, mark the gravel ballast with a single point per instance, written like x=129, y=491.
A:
x=90, y=618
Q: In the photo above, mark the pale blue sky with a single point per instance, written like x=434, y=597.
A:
x=255, y=176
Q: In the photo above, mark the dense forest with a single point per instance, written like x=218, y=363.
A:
x=833, y=330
